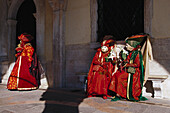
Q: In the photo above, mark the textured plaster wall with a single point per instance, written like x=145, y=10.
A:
x=161, y=42
x=161, y=17
x=78, y=22
x=77, y=39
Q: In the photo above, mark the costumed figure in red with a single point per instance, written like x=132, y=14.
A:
x=100, y=71
x=25, y=74
x=127, y=82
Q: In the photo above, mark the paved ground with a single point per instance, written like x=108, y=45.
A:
x=72, y=101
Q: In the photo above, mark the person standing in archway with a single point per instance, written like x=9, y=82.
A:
x=25, y=74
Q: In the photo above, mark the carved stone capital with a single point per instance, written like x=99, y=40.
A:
x=58, y=4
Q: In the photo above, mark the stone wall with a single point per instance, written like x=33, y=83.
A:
x=161, y=51
x=77, y=22
x=77, y=41
x=160, y=19
x=78, y=61
x=161, y=64
x=160, y=43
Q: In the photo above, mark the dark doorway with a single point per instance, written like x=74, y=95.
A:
x=26, y=22
x=120, y=18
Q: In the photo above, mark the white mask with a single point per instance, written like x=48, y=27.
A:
x=130, y=48
x=104, y=49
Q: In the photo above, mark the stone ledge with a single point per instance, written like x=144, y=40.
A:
x=157, y=76
x=157, y=84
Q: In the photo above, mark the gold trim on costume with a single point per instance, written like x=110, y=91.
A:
x=28, y=44
x=19, y=70
x=27, y=88
x=128, y=85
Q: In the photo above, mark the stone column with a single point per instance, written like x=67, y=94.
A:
x=94, y=27
x=11, y=39
x=40, y=30
x=94, y=17
x=59, y=7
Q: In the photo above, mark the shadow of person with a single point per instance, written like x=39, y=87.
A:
x=149, y=87
x=62, y=100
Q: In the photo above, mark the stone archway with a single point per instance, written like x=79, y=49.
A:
x=14, y=6
x=58, y=59
x=12, y=12
x=26, y=21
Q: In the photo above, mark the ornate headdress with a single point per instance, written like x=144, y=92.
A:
x=25, y=37
x=135, y=40
x=108, y=43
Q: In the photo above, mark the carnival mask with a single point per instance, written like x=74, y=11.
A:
x=104, y=49
x=130, y=48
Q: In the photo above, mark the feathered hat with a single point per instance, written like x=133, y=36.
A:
x=25, y=37
x=136, y=40
x=108, y=43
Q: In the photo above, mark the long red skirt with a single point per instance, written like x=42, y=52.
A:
x=119, y=84
x=21, y=78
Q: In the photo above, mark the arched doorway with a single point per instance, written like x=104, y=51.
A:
x=26, y=22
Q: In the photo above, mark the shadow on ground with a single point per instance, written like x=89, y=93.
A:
x=62, y=100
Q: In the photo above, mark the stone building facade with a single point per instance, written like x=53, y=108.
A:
x=66, y=35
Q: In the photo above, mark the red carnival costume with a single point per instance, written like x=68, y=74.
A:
x=24, y=75
x=100, y=71
x=127, y=82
